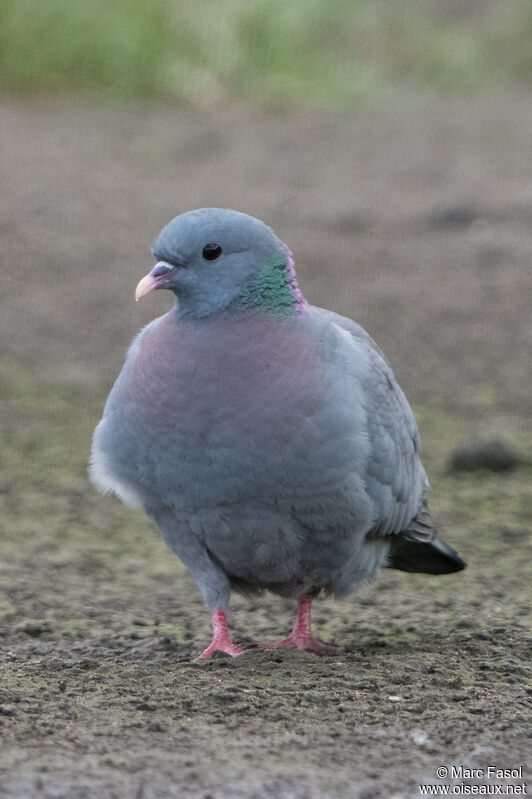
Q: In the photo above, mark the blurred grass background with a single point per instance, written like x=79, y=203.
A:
x=328, y=53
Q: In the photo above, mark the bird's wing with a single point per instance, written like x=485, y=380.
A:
x=395, y=478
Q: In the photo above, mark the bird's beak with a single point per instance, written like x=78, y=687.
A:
x=156, y=279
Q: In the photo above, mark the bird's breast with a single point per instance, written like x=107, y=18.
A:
x=236, y=419
x=212, y=414
x=205, y=381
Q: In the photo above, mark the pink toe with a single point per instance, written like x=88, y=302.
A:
x=220, y=646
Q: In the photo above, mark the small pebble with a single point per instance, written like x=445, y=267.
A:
x=451, y=215
x=33, y=627
x=494, y=455
x=419, y=737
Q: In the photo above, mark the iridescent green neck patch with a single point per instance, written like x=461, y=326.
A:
x=276, y=287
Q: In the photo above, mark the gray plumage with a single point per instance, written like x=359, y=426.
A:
x=268, y=439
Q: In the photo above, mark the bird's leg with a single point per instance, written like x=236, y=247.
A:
x=301, y=636
x=221, y=639
x=209, y=575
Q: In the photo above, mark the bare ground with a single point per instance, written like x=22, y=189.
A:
x=416, y=221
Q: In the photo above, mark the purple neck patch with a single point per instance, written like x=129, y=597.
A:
x=299, y=301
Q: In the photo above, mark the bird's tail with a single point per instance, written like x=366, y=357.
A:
x=417, y=549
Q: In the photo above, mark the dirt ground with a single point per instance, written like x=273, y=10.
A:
x=417, y=221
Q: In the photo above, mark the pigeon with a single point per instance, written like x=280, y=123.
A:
x=266, y=438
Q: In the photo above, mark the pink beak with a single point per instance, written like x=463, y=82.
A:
x=156, y=279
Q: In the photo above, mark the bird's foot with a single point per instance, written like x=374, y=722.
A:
x=307, y=642
x=221, y=639
x=220, y=646
x=301, y=636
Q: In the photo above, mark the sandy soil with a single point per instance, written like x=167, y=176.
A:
x=416, y=221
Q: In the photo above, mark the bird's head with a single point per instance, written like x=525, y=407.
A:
x=215, y=258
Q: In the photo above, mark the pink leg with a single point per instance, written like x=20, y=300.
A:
x=301, y=636
x=221, y=640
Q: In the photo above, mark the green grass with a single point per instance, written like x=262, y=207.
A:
x=329, y=53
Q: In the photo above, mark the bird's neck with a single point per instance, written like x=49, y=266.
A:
x=275, y=290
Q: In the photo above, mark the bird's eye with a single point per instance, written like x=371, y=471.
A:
x=211, y=251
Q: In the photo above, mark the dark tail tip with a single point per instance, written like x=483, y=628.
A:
x=424, y=557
